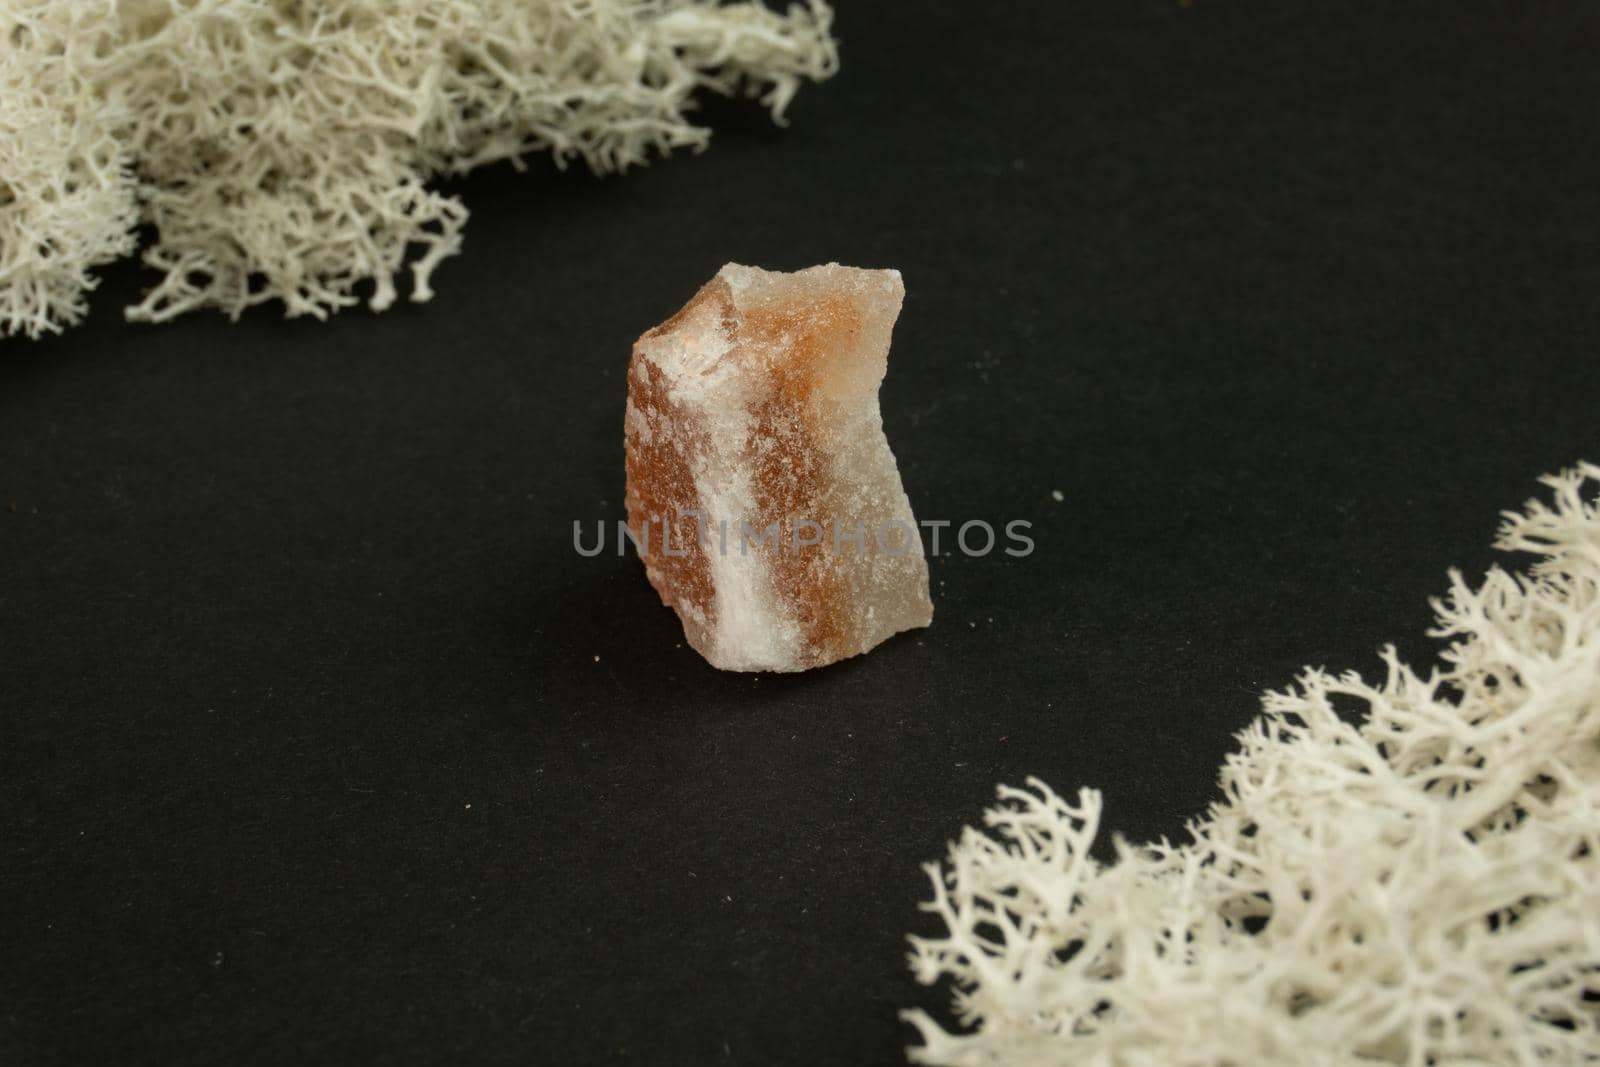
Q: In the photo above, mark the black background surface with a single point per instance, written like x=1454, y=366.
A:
x=307, y=753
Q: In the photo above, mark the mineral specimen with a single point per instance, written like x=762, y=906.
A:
x=762, y=495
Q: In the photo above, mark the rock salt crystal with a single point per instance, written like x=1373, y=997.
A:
x=762, y=495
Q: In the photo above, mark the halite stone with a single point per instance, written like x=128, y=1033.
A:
x=761, y=490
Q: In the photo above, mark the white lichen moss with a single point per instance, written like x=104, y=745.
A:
x=1419, y=884
x=282, y=150
x=66, y=191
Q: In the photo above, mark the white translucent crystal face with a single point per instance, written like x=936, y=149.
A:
x=754, y=411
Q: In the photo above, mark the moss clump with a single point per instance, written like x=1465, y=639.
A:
x=1421, y=886
x=283, y=150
